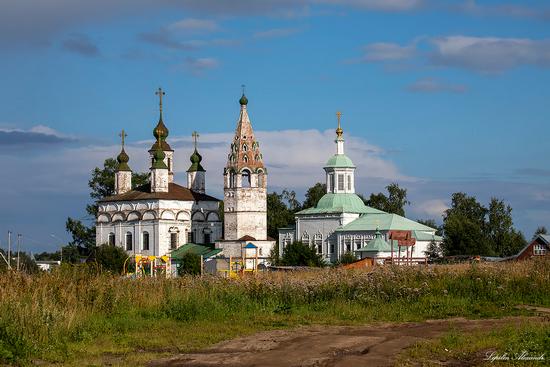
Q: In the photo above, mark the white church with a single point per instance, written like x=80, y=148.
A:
x=157, y=218
x=341, y=223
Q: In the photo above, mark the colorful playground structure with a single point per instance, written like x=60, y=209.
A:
x=241, y=266
x=148, y=266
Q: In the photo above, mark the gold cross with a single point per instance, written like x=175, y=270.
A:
x=338, y=114
x=243, y=86
x=122, y=135
x=195, y=136
x=160, y=93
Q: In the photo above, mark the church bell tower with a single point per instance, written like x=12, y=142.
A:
x=245, y=182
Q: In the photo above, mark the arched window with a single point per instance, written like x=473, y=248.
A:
x=173, y=240
x=245, y=148
x=331, y=180
x=305, y=238
x=245, y=178
x=318, y=243
x=129, y=241
x=245, y=159
x=261, y=179
x=340, y=182
x=145, y=241
x=169, y=164
x=111, y=239
x=349, y=182
x=347, y=243
x=357, y=242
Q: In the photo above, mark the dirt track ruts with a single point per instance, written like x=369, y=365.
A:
x=340, y=346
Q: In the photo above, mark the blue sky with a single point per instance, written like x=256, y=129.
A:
x=439, y=96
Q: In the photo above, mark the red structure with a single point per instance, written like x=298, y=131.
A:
x=540, y=246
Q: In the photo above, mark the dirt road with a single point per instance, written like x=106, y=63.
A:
x=375, y=345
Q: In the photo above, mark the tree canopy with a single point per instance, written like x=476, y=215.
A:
x=394, y=202
x=300, y=254
x=472, y=229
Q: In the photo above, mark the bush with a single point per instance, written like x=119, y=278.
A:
x=300, y=254
x=111, y=258
x=190, y=264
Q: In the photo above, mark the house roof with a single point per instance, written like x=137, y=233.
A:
x=340, y=203
x=175, y=192
x=546, y=238
x=384, y=222
x=193, y=248
x=424, y=236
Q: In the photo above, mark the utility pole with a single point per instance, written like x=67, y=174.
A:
x=9, y=250
x=18, y=249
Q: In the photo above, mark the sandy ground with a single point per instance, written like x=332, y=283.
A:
x=375, y=345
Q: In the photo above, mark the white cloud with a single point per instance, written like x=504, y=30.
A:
x=433, y=208
x=432, y=85
x=198, y=66
x=276, y=33
x=388, y=52
x=481, y=54
x=489, y=54
x=381, y=5
x=192, y=25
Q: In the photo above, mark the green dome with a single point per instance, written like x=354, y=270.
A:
x=195, y=159
x=348, y=202
x=158, y=159
x=340, y=161
x=122, y=160
x=243, y=101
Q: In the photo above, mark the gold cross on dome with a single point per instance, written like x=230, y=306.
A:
x=160, y=93
x=195, y=136
x=339, y=130
x=123, y=135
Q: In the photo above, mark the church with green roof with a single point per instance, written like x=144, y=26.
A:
x=342, y=223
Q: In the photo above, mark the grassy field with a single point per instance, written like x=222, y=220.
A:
x=76, y=317
x=505, y=346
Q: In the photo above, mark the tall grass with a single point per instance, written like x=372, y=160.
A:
x=42, y=315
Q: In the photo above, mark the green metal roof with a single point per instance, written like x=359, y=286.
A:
x=384, y=222
x=378, y=244
x=205, y=251
x=424, y=236
x=339, y=161
x=340, y=203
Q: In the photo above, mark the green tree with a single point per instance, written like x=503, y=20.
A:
x=110, y=258
x=190, y=264
x=280, y=211
x=434, y=251
x=314, y=194
x=505, y=240
x=394, y=202
x=464, y=227
x=300, y=254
